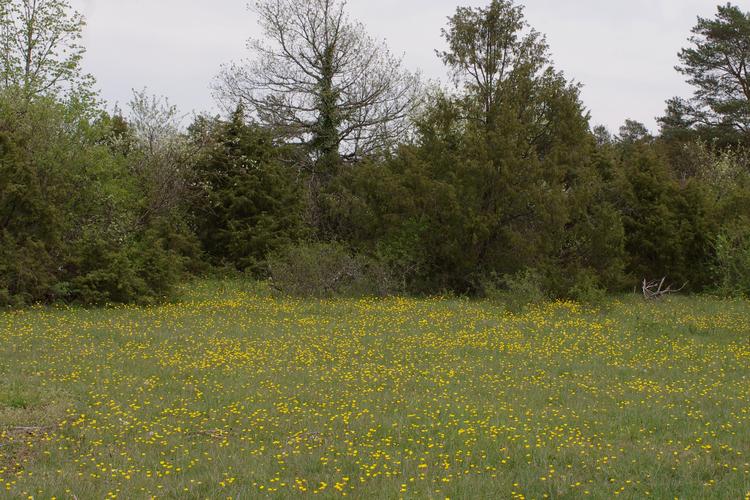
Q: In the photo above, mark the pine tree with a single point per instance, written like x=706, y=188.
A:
x=717, y=65
x=251, y=204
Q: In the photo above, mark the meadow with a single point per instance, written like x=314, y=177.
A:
x=232, y=393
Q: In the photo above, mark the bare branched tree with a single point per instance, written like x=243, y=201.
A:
x=321, y=81
x=161, y=156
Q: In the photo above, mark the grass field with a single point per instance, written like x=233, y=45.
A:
x=234, y=394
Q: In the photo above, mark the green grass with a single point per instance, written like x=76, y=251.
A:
x=233, y=393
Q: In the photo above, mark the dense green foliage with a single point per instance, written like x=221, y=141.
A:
x=498, y=180
x=733, y=259
x=71, y=214
x=249, y=203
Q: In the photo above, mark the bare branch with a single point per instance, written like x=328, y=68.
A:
x=654, y=290
x=321, y=80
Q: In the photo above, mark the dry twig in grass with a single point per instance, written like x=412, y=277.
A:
x=655, y=289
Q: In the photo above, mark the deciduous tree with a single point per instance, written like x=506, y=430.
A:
x=320, y=80
x=40, y=49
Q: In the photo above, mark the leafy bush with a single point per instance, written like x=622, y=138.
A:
x=587, y=288
x=26, y=271
x=144, y=268
x=78, y=222
x=732, y=266
x=516, y=291
x=328, y=270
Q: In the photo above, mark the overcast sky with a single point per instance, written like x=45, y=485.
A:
x=622, y=51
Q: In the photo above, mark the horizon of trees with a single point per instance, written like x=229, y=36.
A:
x=336, y=170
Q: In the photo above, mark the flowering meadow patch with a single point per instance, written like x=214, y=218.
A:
x=236, y=394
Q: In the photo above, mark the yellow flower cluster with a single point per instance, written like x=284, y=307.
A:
x=237, y=395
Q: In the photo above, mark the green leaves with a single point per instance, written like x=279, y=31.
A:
x=492, y=53
x=732, y=267
x=40, y=49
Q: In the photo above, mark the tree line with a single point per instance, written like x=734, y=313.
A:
x=336, y=170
